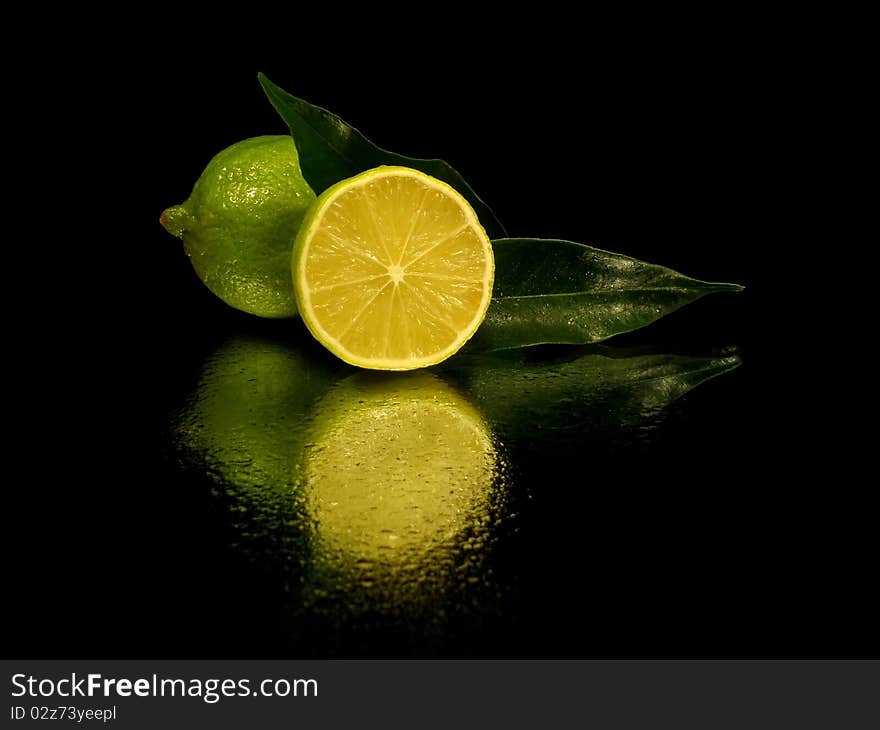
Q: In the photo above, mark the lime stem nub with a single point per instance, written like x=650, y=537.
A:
x=174, y=220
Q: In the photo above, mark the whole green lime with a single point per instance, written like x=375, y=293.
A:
x=239, y=224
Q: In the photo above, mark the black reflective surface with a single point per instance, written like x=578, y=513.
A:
x=672, y=493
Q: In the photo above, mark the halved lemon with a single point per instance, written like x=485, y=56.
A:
x=392, y=270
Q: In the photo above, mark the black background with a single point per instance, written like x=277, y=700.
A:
x=726, y=534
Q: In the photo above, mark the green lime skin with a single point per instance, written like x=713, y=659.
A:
x=239, y=224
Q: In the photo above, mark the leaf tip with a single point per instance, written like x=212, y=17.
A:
x=731, y=361
x=729, y=358
x=265, y=82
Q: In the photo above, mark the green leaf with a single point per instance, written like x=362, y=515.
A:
x=590, y=396
x=331, y=150
x=552, y=291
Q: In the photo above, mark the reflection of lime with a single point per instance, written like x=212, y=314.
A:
x=392, y=270
x=245, y=424
x=402, y=483
x=239, y=224
x=397, y=470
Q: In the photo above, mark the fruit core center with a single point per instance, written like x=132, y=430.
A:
x=396, y=273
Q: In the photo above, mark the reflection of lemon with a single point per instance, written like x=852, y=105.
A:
x=398, y=469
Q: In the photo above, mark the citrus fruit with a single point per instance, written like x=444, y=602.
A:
x=392, y=270
x=239, y=224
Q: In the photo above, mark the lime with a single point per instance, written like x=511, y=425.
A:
x=239, y=224
x=392, y=270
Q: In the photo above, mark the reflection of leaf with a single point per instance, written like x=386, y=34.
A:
x=331, y=150
x=593, y=394
x=549, y=291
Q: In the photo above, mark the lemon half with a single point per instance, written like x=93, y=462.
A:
x=392, y=270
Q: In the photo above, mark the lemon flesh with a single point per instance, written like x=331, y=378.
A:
x=392, y=270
